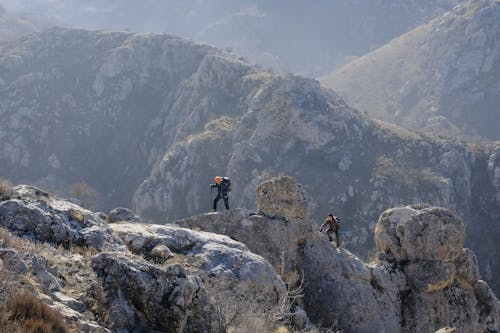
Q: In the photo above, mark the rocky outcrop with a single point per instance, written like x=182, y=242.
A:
x=35, y=214
x=423, y=279
x=142, y=296
x=138, y=276
x=426, y=243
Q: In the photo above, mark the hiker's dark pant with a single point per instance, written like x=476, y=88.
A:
x=226, y=202
x=337, y=238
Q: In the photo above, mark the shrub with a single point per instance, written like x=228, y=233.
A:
x=85, y=193
x=32, y=315
x=6, y=191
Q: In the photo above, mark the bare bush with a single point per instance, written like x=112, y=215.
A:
x=6, y=191
x=85, y=193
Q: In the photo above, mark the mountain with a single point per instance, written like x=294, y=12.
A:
x=440, y=78
x=13, y=25
x=310, y=38
x=148, y=120
x=270, y=271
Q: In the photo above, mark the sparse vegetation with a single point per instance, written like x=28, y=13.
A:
x=6, y=191
x=29, y=314
x=85, y=193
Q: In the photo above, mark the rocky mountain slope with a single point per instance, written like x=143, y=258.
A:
x=150, y=119
x=441, y=77
x=309, y=38
x=129, y=276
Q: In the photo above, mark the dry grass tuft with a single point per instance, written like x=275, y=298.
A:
x=30, y=314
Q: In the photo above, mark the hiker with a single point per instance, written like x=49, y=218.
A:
x=333, y=225
x=223, y=185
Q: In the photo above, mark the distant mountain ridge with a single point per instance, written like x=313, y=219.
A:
x=309, y=38
x=442, y=77
x=14, y=25
x=150, y=119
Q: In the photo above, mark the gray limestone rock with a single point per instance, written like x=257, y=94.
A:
x=283, y=197
x=142, y=295
x=467, y=267
x=38, y=216
x=238, y=282
x=122, y=214
x=427, y=234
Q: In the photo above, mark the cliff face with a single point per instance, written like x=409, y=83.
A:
x=440, y=77
x=129, y=276
x=150, y=119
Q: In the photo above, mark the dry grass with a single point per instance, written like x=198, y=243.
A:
x=6, y=191
x=29, y=314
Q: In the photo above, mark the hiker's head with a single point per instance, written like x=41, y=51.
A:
x=330, y=216
x=218, y=179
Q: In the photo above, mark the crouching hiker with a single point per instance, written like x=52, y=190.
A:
x=332, y=224
x=223, y=185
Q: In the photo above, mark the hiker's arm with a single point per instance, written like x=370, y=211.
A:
x=323, y=225
x=212, y=186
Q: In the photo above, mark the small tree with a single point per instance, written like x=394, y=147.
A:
x=6, y=190
x=85, y=193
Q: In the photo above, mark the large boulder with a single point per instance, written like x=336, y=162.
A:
x=282, y=196
x=241, y=285
x=141, y=295
x=443, y=286
x=420, y=232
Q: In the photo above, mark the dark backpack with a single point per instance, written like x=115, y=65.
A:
x=227, y=181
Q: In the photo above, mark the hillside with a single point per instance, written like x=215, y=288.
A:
x=149, y=119
x=271, y=271
x=441, y=77
x=310, y=38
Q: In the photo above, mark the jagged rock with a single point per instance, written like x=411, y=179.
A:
x=38, y=216
x=337, y=285
x=11, y=260
x=240, y=283
x=420, y=233
x=160, y=253
x=488, y=306
x=283, y=197
x=48, y=281
x=429, y=276
x=442, y=286
x=166, y=299
x=122, y=214
x=467, y=267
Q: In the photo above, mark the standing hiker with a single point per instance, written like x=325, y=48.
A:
x=223, y=185
x=333, y=225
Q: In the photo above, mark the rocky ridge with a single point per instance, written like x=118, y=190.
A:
x=173, y=279
x=159, y=116
x=421, y=265
x=270, y=34
x=439, y=77
x=124, y=276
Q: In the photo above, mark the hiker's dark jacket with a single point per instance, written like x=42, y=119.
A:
x=222, y=188
x=333, y=225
